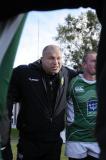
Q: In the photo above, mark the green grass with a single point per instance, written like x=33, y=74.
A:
x=62, y=154
x=14, y=150
x=14, y=137
x=14, y=134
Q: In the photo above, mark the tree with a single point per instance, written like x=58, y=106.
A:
x=78, y=35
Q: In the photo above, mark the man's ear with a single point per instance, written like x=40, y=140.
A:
x=83, y=65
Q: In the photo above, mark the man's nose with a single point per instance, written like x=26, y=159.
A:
x=55, y=61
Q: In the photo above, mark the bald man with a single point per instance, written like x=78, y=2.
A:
x=40, y=88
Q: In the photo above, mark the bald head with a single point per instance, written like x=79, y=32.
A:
x=51, y=59
x=50, y=49
x=89, y=65
x=88, y=54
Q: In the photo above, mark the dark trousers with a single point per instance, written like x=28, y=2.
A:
x=7, y=152
x=36, y=150
x=103, y=154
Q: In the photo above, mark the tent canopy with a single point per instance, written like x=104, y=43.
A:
x=11, y=8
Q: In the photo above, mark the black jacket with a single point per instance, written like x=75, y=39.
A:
x=28, y=87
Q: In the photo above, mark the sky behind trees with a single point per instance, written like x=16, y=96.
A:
x=39, y=31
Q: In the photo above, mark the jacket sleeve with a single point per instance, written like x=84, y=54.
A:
x=72, y=74
x=13, y=91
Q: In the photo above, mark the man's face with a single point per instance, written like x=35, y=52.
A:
x=52, y=62
x=90, y=64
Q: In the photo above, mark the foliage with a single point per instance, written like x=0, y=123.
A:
x=78, y=35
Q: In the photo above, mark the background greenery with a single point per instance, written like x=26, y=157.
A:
x=78, y=35
x=14, y=138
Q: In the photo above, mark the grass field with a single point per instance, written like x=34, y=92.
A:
x=14, y=135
